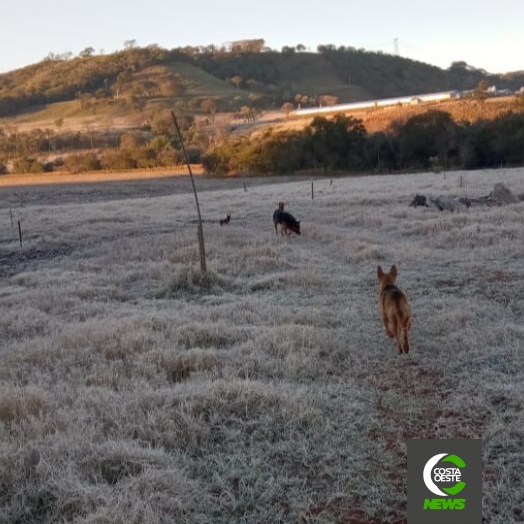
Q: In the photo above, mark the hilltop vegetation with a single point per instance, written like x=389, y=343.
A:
x=348, y=72
x=113, y=111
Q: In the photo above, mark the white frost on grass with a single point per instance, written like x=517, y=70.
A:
x=133, y=389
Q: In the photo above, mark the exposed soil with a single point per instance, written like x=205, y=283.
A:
x=84, y=192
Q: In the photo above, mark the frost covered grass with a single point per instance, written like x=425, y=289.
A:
x=132, y=389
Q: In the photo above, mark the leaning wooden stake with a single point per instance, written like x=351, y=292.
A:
x=20, y=234
x=200, y=231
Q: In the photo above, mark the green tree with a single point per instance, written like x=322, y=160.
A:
x=430, y=134
x=338, y=143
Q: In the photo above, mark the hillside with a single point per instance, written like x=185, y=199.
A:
x=179, y=75
x=112, y=112
x=198, y=82
x=382, y=119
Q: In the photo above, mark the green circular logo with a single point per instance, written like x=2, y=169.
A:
x=435, y=475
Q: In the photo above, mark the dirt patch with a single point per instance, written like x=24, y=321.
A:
x=81, y=191
x=18, y=261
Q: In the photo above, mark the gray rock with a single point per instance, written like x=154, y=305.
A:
x=502, y=195
x=447, y=203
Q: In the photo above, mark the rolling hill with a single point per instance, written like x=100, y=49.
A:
x=178, y=75
x=63, y=106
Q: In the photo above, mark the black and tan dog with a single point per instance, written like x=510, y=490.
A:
x=394, y=308
x=288, y=223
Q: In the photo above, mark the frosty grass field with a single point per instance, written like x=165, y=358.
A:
x=134, y=391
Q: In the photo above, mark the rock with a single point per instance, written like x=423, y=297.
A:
x=502, y=195
x=447, y=203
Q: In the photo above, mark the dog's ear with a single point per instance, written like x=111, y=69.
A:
x=380, y=273
x=393, y=271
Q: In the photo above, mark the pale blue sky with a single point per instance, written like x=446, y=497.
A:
x=486, y=34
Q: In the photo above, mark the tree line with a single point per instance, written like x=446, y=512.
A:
x=76, y=152
x=432, y=140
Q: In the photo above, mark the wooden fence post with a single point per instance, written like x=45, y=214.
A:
x=20, y=234
x=200, y=231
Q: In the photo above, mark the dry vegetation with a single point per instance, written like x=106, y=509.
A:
x=460, y=110
x=133, y=390
x=381, y=119
x=374, y=120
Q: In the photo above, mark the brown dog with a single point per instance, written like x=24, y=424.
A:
x=394, y=308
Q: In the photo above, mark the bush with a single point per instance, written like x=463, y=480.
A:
x=118, y=159
x=27, y=165
x=82, y=163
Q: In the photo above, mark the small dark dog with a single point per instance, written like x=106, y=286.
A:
x=224, y=221
x=288, y=224
x=277, y=215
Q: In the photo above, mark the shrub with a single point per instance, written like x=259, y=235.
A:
x=27, y=165
x=117, y=159
x=82, y=163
